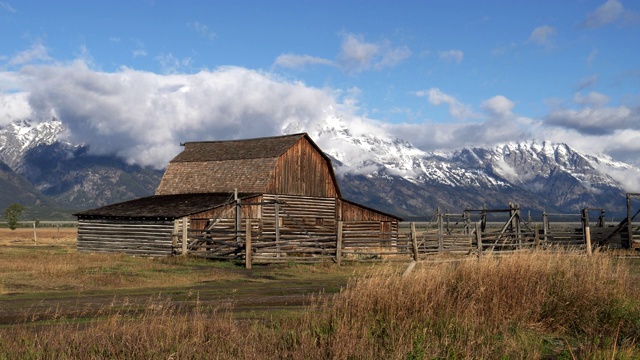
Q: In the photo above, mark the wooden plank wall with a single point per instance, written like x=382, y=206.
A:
x=302, y=170
x=133, y=237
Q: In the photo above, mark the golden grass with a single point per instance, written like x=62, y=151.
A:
x=52, y=263
x=523, y=306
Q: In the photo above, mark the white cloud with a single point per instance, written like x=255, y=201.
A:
x=596, y=121
x=173, y=65
x=457, y=109
x=451, y=55
x=498, y=106
x=542, y=35
x=299, y=61
x=37, y=52
x=143, y=116
x=7, y=7
x=607, y=13
x=14, y=106
x=203, y=30
x=593, y=99
x=358, y=55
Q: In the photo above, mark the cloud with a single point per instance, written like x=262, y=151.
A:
x=498, y=106
x=595, y=120
x=203, y=30
x=451, y=55
x=37, y=52
x=457, y=109
x=7, y=7
x=609, y=12
x=14, y=106
x=172, y=65
x=300, y=61
x=542, y=35
x=142, y=117
x=358, y=55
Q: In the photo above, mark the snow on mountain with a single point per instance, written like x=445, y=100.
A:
x=373, y=168
x=17, y=138
x=556, y=175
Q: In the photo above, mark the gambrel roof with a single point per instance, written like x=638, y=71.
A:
x=263, y=165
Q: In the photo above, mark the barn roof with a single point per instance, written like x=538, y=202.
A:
x=163, y=206
x=221, y=166
x=259, y=148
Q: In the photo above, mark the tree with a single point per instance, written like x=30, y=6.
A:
x=12, y=214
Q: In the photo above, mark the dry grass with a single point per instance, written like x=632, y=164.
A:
x=532, y=305
x=52, y=264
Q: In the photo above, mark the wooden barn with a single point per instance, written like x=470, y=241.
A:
x=278, y=193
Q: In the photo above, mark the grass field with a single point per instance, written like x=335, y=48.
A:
x=56, y=303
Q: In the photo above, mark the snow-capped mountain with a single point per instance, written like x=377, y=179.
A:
x=391, y=174
x=17, y=138
x=373, y=168
x=64, y=174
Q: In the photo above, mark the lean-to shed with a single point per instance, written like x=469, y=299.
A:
x=278, y=183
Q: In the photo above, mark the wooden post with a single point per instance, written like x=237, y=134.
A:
x=587, y=235
x=536, y=235
x=629, y=225
x=585, y=224
x=184, y=235
x=238, y=216
x=339, y=244
x=479, y=238
x=35, y=235
x=277, y=226
x=414, y=241
x=247, y=247
x=440, y=232
x=545, y=226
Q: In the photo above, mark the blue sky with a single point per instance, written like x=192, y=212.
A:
x=136, y=78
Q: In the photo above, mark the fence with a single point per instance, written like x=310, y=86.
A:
x=469, y=232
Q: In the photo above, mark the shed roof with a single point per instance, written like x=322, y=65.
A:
x=164, y=206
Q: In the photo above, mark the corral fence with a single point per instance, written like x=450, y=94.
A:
x=473, y=231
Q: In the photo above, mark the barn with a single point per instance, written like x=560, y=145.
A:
x=280, y=193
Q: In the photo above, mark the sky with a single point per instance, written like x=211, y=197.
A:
x=137, y=78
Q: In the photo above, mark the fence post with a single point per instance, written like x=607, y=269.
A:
x=247, y=247
x=440, y=232
x=339, y=244
x=414, y=241
x=545, y=226
x=479, y=239
x=536, y=235
x=587, y=235
x=184, y=235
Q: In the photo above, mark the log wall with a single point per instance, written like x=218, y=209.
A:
x=132, y=237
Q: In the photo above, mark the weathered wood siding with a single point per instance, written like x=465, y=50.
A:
x=133, y=237
x=352, y=212
x=303, y=213
x=302, y=170
x=224, y=214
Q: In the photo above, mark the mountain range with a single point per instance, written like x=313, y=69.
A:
x=53, y=178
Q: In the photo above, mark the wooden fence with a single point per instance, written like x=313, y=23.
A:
x=467, y=233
